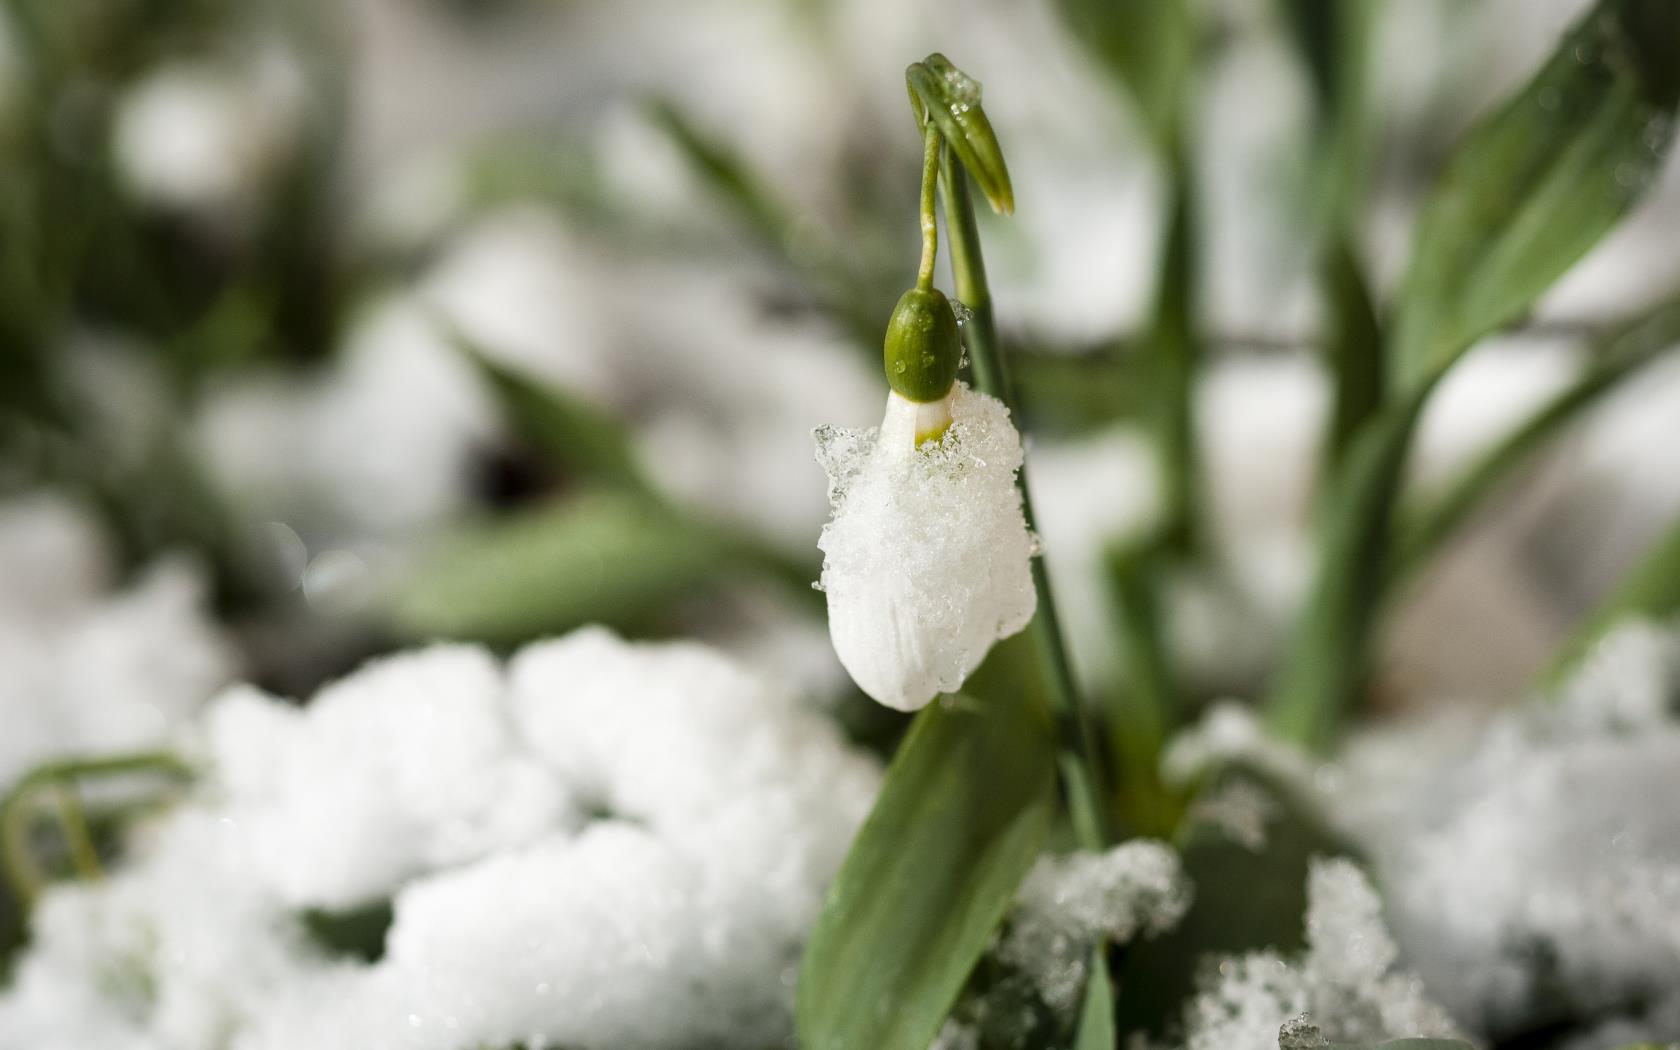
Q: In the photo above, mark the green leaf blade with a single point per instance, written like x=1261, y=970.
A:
x=567, y=431
x=1539, y=182
x=1620, y=355
x=1096, y=1012
x=1149, y=46
x=1650, y=591
x=962, y=815
x=596, y=557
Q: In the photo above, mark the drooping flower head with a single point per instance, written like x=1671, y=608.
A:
x=927, y=558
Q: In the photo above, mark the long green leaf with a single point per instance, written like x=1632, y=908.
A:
x=1149, y=45
x=1096, y=1012
x=1175, y=354
x=567, y=431
x=1146, y=711
x=597, y=557
x=1621, y=355
x=1354, y=347
x=1334, y=38
x=724, y=172
x=961, y=817
x=1327, y=657
x=1651, y=590
x=1538, y=183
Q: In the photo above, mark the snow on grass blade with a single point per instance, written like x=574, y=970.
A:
x=961, y=817
x=1247, y=895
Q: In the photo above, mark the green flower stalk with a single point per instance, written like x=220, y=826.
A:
x=923, y=349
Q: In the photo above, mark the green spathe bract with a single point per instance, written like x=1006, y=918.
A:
x=922, y=351
x=950, y=98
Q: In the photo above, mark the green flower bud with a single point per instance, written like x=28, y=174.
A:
x=923, y=350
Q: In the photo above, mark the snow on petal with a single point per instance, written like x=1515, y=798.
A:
x=927, y=560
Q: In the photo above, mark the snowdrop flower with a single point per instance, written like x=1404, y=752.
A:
x=927, y=560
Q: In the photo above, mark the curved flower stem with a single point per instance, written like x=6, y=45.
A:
x=931, y=144
x=72, y=817
x=1078, y=757
x=21, y=871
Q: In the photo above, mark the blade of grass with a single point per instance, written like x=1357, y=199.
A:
x=1620, y=355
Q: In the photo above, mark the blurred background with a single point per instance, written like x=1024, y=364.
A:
x=330, y=327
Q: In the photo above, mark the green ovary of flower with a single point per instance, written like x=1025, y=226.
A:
x=922, y=351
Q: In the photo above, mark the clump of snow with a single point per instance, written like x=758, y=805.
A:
x=523, y=290
x=405, y=767
x=1346, y=980
x=1536, y=873
x=1069, y=903
x=927, y=558
x=175, y=951
x=87, y=671
x=210, y=135
x=380, y=445
x=1299, y=1033
x=1240, y=809
x=730, y=403
x=53, y=558
x=606, y=845
x=1231, y=734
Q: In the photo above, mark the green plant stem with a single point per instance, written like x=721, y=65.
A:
x=1174, y=355
x=1078, y=757
x=931, y=145
x=22, y=873
x=1144, y=713
x=72, y=818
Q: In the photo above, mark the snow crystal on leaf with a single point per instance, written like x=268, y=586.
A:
x=1346, y=980
x=1069, y=903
